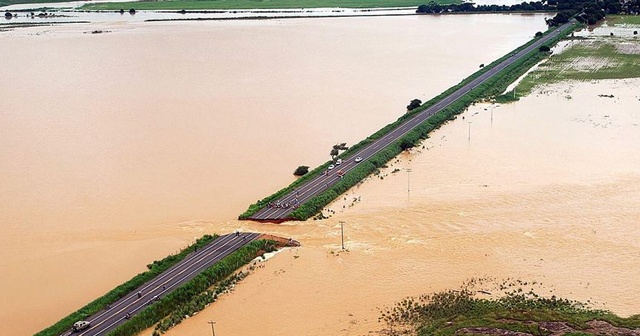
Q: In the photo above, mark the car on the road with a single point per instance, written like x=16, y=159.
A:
x=338, y=162
x=81, y=325
x=331, y=167
x=358, y=159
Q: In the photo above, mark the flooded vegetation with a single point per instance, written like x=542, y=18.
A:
x=506, y=308
x=589, y=56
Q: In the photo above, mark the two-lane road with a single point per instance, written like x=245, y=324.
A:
x=166, y=282
x=315, y=186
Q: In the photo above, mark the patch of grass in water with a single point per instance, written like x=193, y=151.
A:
x=586, y=60
x=514, y=308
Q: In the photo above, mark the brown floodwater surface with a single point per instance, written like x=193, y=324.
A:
x=120, y=148
x=547, y=192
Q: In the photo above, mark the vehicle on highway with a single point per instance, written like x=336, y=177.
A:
x=331, y=167
x=338, y=162
x=358, y=159
x=81, y=325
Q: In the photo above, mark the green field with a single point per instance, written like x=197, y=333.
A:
x=623, y=20
x=256, y=4
x=604, y=58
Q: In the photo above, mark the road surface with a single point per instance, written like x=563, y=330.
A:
x=315, y=186
x=166, y=282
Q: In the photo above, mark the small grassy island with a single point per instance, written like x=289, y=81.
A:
x=516, y=311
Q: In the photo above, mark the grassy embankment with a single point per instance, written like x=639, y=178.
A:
x=489, y=89
x=602, y=57
x=252, y=4
x=463, y=312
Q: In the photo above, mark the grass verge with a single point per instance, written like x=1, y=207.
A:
x=155, y=268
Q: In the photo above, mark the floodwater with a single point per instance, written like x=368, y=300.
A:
x=542, y=190
x=119, y=148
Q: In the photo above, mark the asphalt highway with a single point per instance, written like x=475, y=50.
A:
x=320, y=183
x=165, y=283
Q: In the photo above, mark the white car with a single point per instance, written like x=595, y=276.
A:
x=331, y=167
x=358, y=159
x=81, y=325
x=338, y=162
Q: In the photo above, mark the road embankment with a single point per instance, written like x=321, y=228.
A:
x=506, y=71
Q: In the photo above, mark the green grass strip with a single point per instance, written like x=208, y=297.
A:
x=115, y=294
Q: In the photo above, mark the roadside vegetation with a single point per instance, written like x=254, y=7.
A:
x=515, y=310
x=251, y=4
x=488, y=90
x=196, y=294
x=602, y=57
x=155, y=268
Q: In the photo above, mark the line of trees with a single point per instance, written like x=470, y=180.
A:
x=585, y=11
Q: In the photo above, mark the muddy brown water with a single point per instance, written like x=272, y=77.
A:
x=122, y=147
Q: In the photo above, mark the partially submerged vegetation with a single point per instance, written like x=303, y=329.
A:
x=511, y=308
x=604, y=57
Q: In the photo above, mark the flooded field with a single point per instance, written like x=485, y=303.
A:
x=122, y=147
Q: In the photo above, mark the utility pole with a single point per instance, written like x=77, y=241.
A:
x=213, y=331
x=408, y=184
x=491, y=115
x=342, y=233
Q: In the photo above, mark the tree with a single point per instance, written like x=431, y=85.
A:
x=301, y=170
x=414, y=104
x=539, y=34
x=132, y=11
x=544, y=48
x=7, y=15
x=336, y=150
